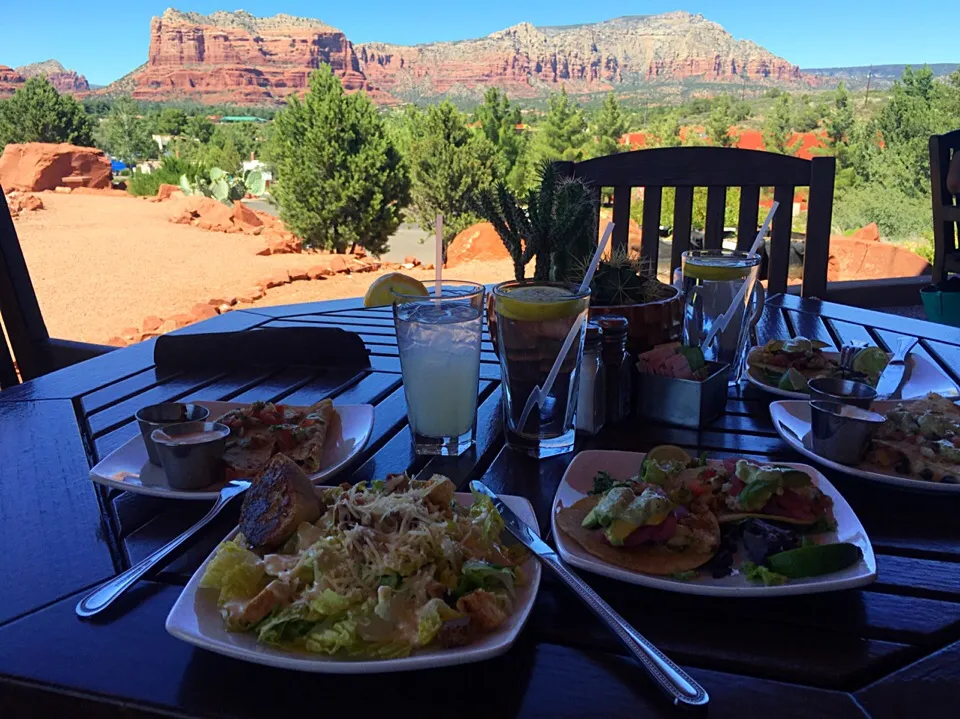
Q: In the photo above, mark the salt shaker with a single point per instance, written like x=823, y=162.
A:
x=616, y=361
x=592, y=398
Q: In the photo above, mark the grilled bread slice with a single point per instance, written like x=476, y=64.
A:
x=280, y=498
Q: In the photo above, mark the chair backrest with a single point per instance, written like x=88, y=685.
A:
x=716, y=169
x=8, y=371
x=18, y=302
x=946, y=212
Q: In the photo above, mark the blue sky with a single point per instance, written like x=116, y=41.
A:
x=105, y=39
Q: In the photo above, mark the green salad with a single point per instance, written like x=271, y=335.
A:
x=387, y=569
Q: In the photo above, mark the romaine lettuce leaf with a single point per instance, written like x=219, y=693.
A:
x=286, y=626
x=486, y=517
x=329, y=604
x=430, y=619
x=235, y=571
x=476, y=574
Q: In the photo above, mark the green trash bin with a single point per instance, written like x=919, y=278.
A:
x=943, y=305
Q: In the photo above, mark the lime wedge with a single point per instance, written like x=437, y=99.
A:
x=539, y=302
x=815, y=559
x=381, y=292
x=871, y=361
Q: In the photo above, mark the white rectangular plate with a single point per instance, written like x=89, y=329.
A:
x=128, y=467
x=578, y=479
x=922, y=378
x=792, y=420
x=196, y=620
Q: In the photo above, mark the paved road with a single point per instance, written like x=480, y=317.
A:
x=403, y=243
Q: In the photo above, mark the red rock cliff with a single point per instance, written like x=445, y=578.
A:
x=587, y=58
x=236, y=57
x=64, y=80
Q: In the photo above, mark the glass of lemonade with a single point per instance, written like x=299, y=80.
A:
x=712, y=281
x=439, y=341
x=533, y=322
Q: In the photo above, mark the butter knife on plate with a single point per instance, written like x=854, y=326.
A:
x=888, y=387
x=679, y=686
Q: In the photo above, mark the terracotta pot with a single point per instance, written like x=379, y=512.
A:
x=651, y=323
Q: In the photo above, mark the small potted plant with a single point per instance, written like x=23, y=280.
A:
x=554, y=225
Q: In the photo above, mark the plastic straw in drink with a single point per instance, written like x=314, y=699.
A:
x=439, y=263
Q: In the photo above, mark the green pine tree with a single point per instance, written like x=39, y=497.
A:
x=198, y=127
x=609, y=125
x=778, y=126
x=665, y=131
x=171, y=121
x=125, y=135
x=498, y=120
x=450, y=164
x=38, y=113
x=563, y=132
x=720, y=121
x=340, y=181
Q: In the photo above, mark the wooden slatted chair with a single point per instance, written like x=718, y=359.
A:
x=946, y=206
x=716, y=169
x=36, y=353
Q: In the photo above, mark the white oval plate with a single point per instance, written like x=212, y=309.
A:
x=792, y=421
x=128, y=467
x=922, y=378
x=578, y=479
x=196, y=620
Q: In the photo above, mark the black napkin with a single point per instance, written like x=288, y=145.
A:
x=308, y=346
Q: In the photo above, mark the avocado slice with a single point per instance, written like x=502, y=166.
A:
x=591, y=521
x=618, y=531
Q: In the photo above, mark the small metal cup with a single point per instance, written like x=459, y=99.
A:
x=842, y=432
x=163, y=415
x=194, y=465
x=844, y=391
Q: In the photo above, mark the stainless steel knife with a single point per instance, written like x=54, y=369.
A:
x=892, y=377
x=679, y=686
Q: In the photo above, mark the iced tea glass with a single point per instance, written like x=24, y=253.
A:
x=533, y=322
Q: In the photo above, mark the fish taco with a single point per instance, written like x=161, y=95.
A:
x=772, y=492
x=640, y=527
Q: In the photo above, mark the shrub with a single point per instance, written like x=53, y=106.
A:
x=169, y=173
x=899, y=216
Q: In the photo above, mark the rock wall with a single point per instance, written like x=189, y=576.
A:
x=234, y=57
x=38, y=166
x=237, y=58
x=69, y=81
x=630, y=51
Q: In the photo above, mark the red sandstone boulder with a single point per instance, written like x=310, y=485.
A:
x=299, y=275
x=318, y=271
x=151, y=323
x=411, y=260
x=338, y=263
x=165, y=191
x=203, y=311
x=856, y=259
x=870, y=233
x=276, y=279
x=477, y=242
x=45, y=166
x=244, y=217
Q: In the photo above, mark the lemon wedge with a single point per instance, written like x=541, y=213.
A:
x=668, y=453
x=381, y=291
x=539, y=302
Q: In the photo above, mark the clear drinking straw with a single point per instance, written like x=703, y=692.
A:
x=439, y=263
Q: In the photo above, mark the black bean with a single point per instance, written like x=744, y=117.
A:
x=950, y=479
x=926, y=473
x=902, y=465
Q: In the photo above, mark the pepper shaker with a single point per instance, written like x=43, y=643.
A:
x=616, y=361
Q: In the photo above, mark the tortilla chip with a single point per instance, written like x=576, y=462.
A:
x=648, y=559
x=247, y=461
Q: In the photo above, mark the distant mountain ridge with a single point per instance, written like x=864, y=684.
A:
x=69, y=81
x=235, y=57
x=880, y=75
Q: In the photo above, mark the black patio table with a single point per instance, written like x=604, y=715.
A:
x=889, y=650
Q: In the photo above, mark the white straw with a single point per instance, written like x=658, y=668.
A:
x=721, y=324
x=538, y=396
x=439, y=263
